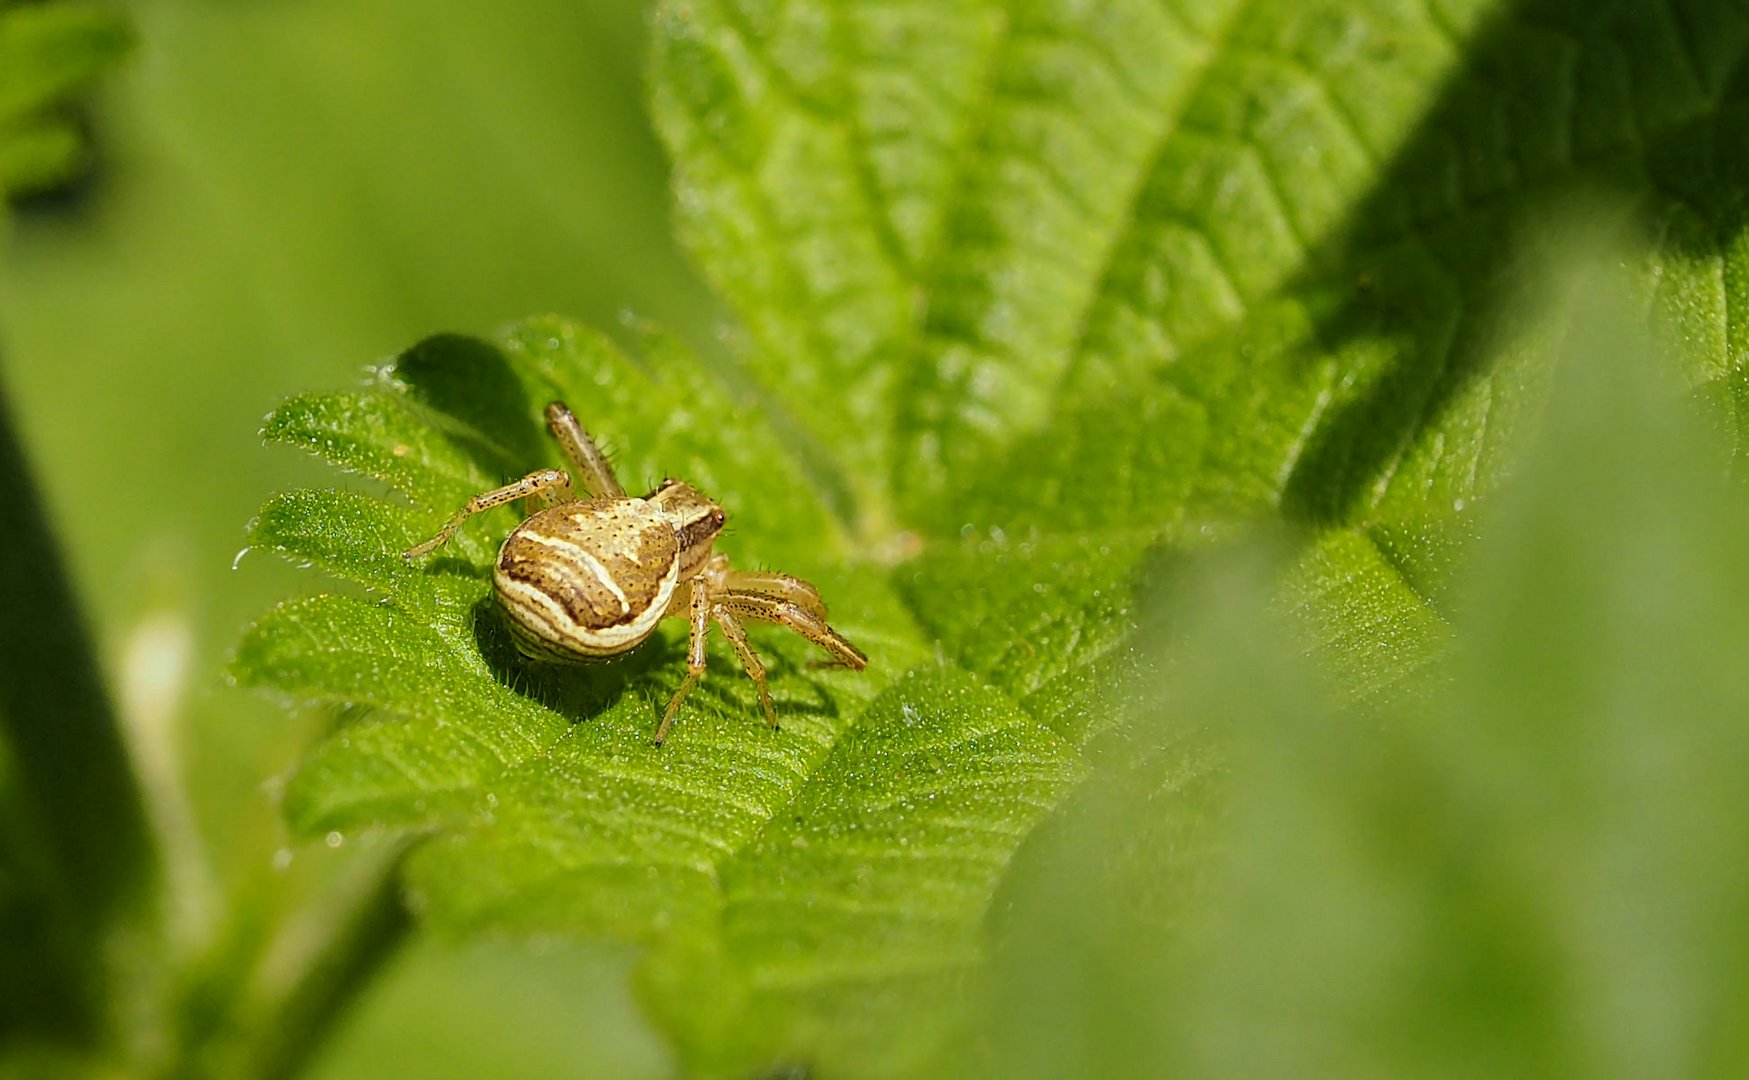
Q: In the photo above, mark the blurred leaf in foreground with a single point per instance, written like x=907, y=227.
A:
x=79, y=868
x=1543, y=869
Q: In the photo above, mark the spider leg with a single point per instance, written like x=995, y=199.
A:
x=581, y=451
x=776, y=587
x=792, y=615
x=699, y=616
x=550, y=485
x=737, y=635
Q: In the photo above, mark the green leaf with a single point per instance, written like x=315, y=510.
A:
x=556, y=811
x=830, y=904
x=1032, y=299
x=36, y=156
x=80, y=864
x=1537, y=870
x=48, y=52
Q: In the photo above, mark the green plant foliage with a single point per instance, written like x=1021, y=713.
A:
x=47, y=53
x=77, y=879
x=1536, y=870
x=78, y=876
x=553, y=822
x=1032, y=300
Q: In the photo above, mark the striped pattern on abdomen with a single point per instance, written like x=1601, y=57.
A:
x=587, y=580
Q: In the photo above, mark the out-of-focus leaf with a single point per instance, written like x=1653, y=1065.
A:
x=1537, y=869
x=79, y=865
x=47, y=53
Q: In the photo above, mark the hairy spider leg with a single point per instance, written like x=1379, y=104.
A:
x=737, y=635
x=776, y=586
x=593, y=471
x=699, y=611
x=550, y=485
x=796, y=618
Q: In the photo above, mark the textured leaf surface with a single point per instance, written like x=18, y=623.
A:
x=1032, y=299
x=1538, y=867
x=556, y=811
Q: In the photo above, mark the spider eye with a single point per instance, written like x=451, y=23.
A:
x=667, y=482
x=719, y=517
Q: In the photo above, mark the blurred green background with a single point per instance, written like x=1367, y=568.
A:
x=285, y=193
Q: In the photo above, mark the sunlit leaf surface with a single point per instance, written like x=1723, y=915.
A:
x=1032, y=300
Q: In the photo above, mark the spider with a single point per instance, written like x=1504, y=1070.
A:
x=589, y=579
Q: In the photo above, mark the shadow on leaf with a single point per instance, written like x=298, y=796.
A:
x=578, y=692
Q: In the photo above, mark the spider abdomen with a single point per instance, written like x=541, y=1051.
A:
x=587, y=580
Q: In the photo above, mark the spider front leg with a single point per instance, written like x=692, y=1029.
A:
x=775, y=586
x=725, y=596
x=581, y=451
x=550, y=485
x=737, y=635
x=699, y=613
x=808, y=623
